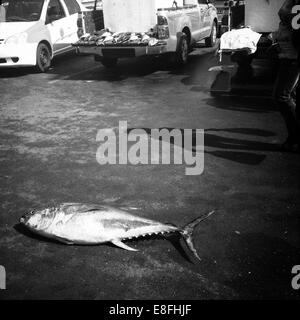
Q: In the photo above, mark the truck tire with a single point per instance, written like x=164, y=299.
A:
x=43, y=58
x=109, y=62
x=211, y=40
x=180, y=57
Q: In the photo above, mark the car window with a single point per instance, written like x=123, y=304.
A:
x=55, y=11
x=22, y=10
x=73, y=6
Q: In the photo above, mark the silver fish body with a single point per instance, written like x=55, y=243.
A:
x=75, y=223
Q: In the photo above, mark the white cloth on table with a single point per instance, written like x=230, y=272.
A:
x=240, y=39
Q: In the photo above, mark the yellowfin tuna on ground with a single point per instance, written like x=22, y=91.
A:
x=76, y=223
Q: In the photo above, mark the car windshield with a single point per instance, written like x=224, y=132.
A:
x=22, y=10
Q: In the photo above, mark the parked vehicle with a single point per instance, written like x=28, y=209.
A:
x=34, y=31
x=151, y=27
x=222, y=11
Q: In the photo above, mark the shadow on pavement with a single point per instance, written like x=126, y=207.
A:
x=260, y=262
x=128, y=67
x=71, y=66
x=234, y=149
x=240, y=103
x=16, y=72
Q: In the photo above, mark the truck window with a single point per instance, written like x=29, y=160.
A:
x=73, y=6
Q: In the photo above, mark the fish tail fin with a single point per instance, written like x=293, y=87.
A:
x=187, y=233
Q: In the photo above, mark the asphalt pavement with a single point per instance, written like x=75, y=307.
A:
x=49, y=124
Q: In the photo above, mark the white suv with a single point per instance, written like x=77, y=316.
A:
x=32, y=32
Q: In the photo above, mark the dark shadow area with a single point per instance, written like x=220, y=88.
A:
x=262, y=266
x=256, y=81
x=58, y=63
x=215, y=141
x=16, y=72
x=249, y=158
x=255, y=266
x=247, y=131
x=240, y=103
x=261, y=71
x=234, y=149
x=126, y=67
x=85, y=68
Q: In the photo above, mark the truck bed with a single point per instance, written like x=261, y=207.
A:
x=122, y=51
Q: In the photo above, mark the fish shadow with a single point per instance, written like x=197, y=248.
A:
x=174, y=239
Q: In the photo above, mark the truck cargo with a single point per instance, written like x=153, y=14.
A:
x=135, y=28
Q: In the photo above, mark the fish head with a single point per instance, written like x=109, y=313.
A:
x=38, y=220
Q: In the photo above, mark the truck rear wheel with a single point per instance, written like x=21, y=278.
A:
x=180, y=57
x=109, y=62
x=211, y=40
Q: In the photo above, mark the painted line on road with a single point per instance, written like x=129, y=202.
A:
x=72, y=75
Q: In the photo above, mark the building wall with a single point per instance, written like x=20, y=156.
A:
x=262, y=15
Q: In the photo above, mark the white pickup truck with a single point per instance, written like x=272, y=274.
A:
x=151, y=27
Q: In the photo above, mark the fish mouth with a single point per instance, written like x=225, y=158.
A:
x=25, y=217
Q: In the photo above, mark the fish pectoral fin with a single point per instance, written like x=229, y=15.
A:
x=122, y=245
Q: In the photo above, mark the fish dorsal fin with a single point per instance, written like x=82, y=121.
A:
x=122, y=245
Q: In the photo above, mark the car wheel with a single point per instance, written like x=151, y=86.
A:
x=180, y=57
x=109, y=62
x=211, y=40
x=43, y=58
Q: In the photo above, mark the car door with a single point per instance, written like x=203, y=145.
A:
x=194, y=14
x=56, y=24
x=204, y=8
x=73, y=8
